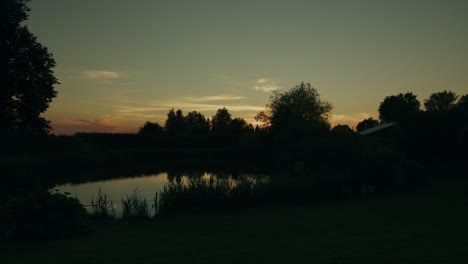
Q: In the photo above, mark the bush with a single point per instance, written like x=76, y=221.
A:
x=43, y=216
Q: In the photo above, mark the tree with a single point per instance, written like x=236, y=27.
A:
x=26, y=73
x=442, y=101
x=239, y=126
x=196, y=122
x=299, y=107
x=366, y=124
x=170, y=125
x=151, y=129
x=175, y=123
x=463, y=102
x=221, y=121
x=395, y=107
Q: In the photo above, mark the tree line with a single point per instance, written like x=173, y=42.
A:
x=28, y=87
x=195, y=123
x=394, y=108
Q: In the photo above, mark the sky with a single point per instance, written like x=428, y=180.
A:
x=122, y=63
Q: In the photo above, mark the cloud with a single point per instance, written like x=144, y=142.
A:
x=103, y=125
x=213, y=98
x=262, y=80
x=99, y=75
x=265, y=85
x=157, y=110
x=145, y=109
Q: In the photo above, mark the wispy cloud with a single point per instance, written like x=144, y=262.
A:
x=157, y=110
x=213, y=98
x=99, y=75
x=147, y=108
x=103, y=124
x=265, y=85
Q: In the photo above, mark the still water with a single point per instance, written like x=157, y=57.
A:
x=145, y=185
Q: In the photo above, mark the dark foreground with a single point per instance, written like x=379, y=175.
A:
x=428, y=226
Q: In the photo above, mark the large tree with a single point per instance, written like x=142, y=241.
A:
x=395, y=107
x=299, y=107
x=26, y=73
x=441, y=101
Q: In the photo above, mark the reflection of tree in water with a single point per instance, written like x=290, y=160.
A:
x=221, y=176
x=174, y=176
x=196, y=174
x=178, y=175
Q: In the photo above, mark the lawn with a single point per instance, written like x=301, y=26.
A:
x=428, y=226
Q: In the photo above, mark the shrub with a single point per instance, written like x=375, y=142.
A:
x=43, y=216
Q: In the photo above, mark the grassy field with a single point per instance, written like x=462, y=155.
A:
x=429, y=226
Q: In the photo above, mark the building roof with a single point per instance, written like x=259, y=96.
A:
x=377, y=128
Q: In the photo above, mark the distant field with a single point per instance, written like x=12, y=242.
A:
x=429, y=226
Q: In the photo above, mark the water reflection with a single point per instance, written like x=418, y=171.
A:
x=147, y=185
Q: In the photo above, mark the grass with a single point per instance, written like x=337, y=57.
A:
x=424, y=227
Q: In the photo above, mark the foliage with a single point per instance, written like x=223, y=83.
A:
x=26, y=73
x=441, y=101
x=221, y=121
x=463, y=103
x=395, y=107
x=151, y=129
x=366, y=124
x=174, y=122
x=342, y=129
x=299, y=107
x=196, y=123
x=43, y=216
x=239, y=126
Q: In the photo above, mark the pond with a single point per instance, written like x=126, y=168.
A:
x=145, y=185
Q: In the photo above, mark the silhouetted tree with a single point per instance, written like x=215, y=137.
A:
x=395, y=107
x=441, y=101
x=366, y=124
x=239, y=126
x=221, y=121
x=463, y=103
x=170, y=125
x=175, y=123
x=342, y=130
x=299, y=107
x=151, y=129
x=195, y=122
x=26, y=73
x=180, y=121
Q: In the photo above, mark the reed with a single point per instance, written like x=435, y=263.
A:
x=102, y=207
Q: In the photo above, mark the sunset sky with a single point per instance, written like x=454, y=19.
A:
x=121, y=63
